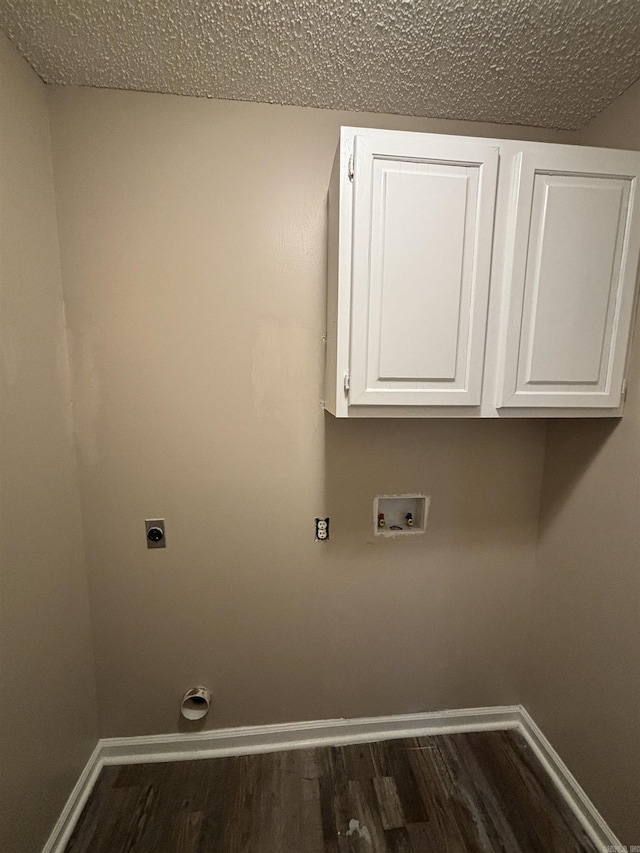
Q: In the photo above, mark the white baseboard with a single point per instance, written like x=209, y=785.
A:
x=254, y=739
x=271, y=738
x=73, y=807
x=590, y=818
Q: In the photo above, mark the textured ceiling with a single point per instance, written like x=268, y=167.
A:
x=553, y=63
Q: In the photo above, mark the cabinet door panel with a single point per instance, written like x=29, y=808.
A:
x=572, y=281
x=420, y=228
x=423, y=226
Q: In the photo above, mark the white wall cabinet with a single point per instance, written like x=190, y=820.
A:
x=479, y=277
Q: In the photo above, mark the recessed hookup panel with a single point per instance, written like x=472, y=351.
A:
x=400, y=515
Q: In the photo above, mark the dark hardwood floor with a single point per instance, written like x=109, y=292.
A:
x=461, y=793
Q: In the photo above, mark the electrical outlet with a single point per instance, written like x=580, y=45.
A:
x=322, y=529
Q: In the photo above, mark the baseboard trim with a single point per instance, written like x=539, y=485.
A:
x=572, y=792
x=254, y=739
x=257, y=739
x=73, y=807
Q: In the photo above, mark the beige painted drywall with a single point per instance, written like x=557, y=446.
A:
x=48, y=722
x=584, y=685
x=193, y=241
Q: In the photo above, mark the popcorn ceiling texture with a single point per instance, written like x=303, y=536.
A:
x=552, y=63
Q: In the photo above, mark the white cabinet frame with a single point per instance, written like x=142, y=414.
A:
x=521, y=367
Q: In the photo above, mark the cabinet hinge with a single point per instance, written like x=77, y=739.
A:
x=623, y=395
x=346, y=383
x=350, y=169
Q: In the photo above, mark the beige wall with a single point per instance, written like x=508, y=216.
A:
x=48, y=723
x=193, y=239
x=584, y=689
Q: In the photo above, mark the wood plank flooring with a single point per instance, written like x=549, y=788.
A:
x=465, y=793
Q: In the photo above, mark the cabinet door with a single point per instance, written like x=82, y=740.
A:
x=571, y=270
x=423, y=225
